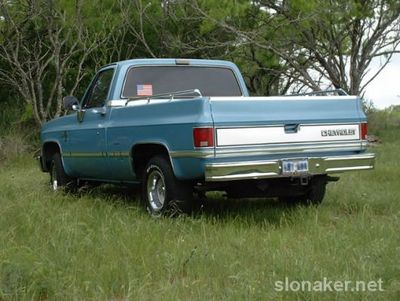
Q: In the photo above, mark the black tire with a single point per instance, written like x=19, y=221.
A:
x=58, y=178
x=317, y=190
x=162, y=192
x=313, y=196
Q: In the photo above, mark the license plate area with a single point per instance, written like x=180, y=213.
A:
x=293, y=167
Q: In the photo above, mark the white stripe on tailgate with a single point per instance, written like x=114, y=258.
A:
x=276, y=134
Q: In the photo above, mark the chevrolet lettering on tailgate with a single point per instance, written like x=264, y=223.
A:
x=342, y=132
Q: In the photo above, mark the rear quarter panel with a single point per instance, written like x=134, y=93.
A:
x=168, y=123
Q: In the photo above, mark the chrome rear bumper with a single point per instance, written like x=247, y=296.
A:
x=273, y=168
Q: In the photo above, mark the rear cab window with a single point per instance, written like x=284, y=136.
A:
x=154, y=80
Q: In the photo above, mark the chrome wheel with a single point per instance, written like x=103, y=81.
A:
x=59, y=180
x=163, y=193
x=53, y=177
x=156, y=191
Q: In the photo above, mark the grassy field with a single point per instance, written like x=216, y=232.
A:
x=101, y=245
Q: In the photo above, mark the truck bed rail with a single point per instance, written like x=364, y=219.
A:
x=338, y=92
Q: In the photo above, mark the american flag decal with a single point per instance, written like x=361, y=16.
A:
x=144, y=90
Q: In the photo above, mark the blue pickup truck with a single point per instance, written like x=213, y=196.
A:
x=182, y=127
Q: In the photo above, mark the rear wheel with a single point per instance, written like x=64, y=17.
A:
x=58, y=178
x=163, y=193
x=313, y=195
x=317, y=190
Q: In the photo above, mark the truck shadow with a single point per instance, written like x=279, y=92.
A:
x=215, y=207
x=250, y=211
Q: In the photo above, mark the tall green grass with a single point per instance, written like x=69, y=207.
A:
x=18, y=134
x=382, y=120
x=101, y=245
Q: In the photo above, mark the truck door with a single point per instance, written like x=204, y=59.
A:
x=86, y=151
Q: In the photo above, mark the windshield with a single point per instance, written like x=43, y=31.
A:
x=153, y=80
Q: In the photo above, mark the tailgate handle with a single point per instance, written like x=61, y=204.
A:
x=292, y=128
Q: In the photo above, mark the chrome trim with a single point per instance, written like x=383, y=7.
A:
x=287, y=149
x=100, y=110
x=182, y=62
x=121, y=103
x=192, y=154
x=170, y=96
x=355, y=157
x=339, y=164
x=243, y=151
x=115, y=103
x=118, y=154
x=272, y=168
x=343, y=169
x=282, y=124
x=80, y=114
x=96, y=154
x=242, y=170
x=340, y=92
x=84, y=154
x=279, y=98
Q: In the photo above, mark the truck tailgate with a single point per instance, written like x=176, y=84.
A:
x=252, y=121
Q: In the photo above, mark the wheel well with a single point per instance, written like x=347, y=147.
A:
x=49, y=149
x=142, y=153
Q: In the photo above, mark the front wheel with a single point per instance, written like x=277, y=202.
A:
x=58, y=178
x=163, y=193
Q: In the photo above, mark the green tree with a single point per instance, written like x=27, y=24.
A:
x=312, y=42
x=332, y=40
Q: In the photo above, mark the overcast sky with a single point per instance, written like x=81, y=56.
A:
x=385, y=89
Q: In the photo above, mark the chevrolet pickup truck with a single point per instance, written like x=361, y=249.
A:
x=181, y=127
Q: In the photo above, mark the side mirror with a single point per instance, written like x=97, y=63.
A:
x=71, y=103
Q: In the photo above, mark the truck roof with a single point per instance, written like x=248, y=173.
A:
x=173, y=61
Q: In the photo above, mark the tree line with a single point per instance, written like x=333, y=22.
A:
x=51, y=48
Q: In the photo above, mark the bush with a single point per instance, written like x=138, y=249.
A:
x=380, y=120
x=18, y=136
x=13, y=145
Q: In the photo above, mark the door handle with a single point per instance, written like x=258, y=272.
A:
x=292, y=128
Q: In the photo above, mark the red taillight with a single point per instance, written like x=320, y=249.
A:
x=364, y=131
x=203, y=137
